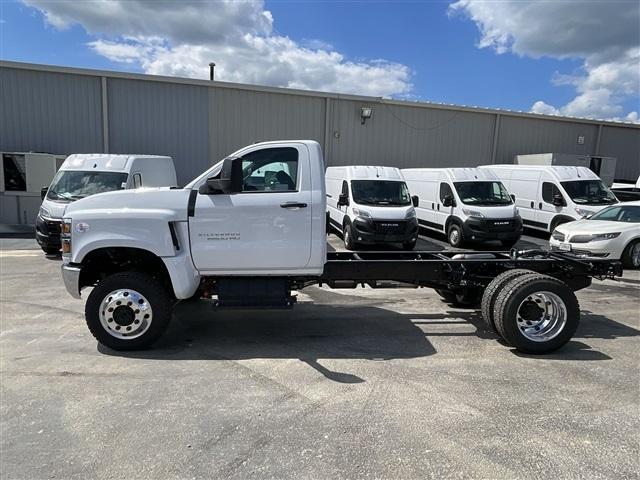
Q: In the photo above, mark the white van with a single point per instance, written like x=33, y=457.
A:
x=466, y=204
x=370, y=205
x=82, y=175
x=550, y=195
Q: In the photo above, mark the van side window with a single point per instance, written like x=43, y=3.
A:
x=445, y=190
x=345, y=188
x=270, y=170
x=137, y=180
x=549, y=190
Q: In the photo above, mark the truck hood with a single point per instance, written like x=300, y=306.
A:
x=491, y=211
x=165, y=202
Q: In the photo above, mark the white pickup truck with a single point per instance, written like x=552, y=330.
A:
x=251, y=229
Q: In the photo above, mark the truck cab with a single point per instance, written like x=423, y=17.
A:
x=82, y=175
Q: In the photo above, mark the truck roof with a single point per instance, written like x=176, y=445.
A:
x=106, y=162
x=365, y=172
x=561, y=173
x=454, y=174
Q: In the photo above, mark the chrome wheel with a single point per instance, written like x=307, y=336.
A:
x=125, y=314
x=541, y=316
x=635, y=255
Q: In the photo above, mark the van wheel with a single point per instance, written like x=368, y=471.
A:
x=455, y=236
x=536, y=313
x=347, y=236
x=128, y=311
x=631, y=255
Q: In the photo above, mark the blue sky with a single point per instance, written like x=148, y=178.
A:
x=430, y=51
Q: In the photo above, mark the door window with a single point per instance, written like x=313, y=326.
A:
x=445, y=190
x=549, y=190
x=270, y=170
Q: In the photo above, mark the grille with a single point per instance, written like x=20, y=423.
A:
x=580, y=239
x=53, y=228
x=500, y=225
x=389, y=227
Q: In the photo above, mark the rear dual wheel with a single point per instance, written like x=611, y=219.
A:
x=533, y=313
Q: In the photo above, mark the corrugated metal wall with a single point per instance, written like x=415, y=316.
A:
x=519, y=136
x=197, y=124
x=160, y=119
x=624, y=144
x=406, y=136
x=49, y=112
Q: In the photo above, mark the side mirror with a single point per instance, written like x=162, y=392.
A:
x=558, y=201
x=43, y=192
x=343, y=200
x=229, y=180
x=513, y=197
x=448, y=201
x=415, y=200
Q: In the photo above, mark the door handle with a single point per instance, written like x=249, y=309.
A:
x=540, y=205
x=531, y=204
x=438, y=206
x=293, y=205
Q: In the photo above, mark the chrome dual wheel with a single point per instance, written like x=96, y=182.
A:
x=541, y=316
x=125, y=314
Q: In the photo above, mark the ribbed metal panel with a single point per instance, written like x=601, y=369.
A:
x=49, y=112
x=405, y=136
x=624, y=144
x=160, y=119
x=242, y=117
x=519, y=136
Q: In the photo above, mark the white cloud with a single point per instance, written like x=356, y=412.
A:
x=606, y=35
x=181, y=38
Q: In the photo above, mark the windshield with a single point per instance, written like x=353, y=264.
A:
x=483, y=193
x=380, y=192
x=592, y=192
x=619, y=213
x=69, y=185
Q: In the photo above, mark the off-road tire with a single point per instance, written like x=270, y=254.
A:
x=516, y=291
x=488, y=303
x=157, y=296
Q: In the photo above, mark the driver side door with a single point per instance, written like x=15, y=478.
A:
x=265, y=228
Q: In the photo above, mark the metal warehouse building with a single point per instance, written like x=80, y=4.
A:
x=68, y=110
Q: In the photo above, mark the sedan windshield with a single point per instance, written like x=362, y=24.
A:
x=589, y=192
x=619, y=213
x=69, y=185
x=380, y=192
x=483, y=193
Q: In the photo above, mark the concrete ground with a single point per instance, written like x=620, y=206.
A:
x=350, y=384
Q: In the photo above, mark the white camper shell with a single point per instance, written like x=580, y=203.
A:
x=370, y=205
x=82, y=175
x=466, y=204
x=548, y=196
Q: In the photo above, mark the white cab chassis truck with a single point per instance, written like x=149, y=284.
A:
x=251, y=229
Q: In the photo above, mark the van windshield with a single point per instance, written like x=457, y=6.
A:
x=483, y=193
x=589, y=192
x=380, y=192
x=70, y=185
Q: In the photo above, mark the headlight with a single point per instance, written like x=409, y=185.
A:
x=361, y=213
x=65, y=236
x=558, y=235
x=43, y=212
x=472, y=213
x=411, y=213
x=584, y=213
x=604, y=236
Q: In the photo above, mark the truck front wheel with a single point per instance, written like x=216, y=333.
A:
x=128, y=311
